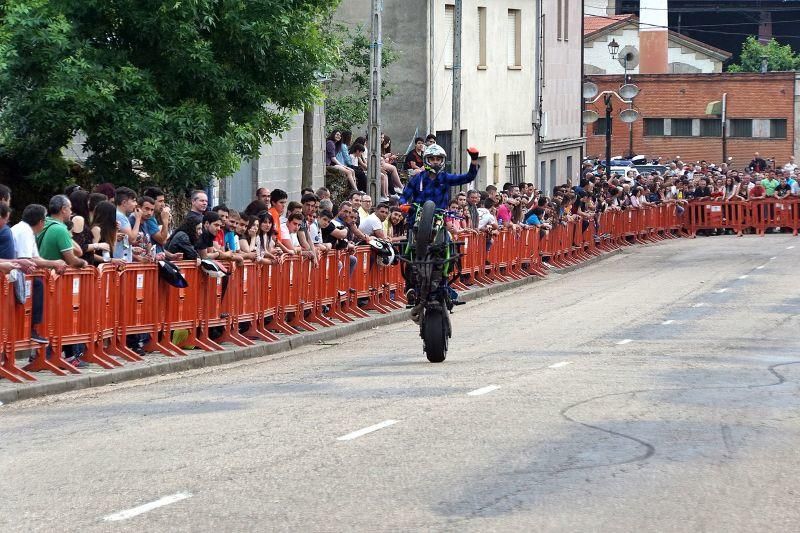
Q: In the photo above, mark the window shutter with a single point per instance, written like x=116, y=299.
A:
x=449, y=24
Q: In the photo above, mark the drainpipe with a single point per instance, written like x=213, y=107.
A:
x=724, y=128
x=537, y=89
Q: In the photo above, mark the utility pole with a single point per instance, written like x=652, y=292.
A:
x=456, y=156
x=374, y=165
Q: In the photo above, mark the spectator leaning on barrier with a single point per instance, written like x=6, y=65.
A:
x=24, y=234
x=104, y=235
x=6, y=237
x=372, y=225
x=157, y=226
x=184, y=240
x=54, y=241
x=125, y=200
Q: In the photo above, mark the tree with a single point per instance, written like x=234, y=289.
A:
x=779, y=57
x=186, y=87
x=347, y=101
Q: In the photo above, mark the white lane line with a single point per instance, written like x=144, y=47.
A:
x=667, y=322
x=483, y=390
x=744, y=277
x=561, y=364
x=773, y=258
x=625, y=341
x=790, y=247
x=362, y=432
x=722, y=290
x=161, y=502
x=760, y=267
x=700, y=304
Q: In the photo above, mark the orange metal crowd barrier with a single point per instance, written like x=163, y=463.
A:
x=99, y=308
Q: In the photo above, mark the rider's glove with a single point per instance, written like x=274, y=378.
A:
x=473, y=153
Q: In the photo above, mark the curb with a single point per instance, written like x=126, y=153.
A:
x=27, y=391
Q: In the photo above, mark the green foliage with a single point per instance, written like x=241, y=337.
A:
x=186, y=87
x=779, y=57
x=347, y=101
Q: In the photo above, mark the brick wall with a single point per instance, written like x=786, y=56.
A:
x=752, y=96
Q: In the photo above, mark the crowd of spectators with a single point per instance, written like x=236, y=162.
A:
x=118, y=225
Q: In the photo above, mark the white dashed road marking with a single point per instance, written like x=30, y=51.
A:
x=362, y=432
x=484, y=390
x=700, y=304
x=136, y=511
x=625, y=341
x=790, y=247
x=561, y=364
x=722, y=290
x=760, y=267
x=744, y=277
x=667, y=322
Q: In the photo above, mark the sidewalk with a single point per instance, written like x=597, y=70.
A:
x=157, y=364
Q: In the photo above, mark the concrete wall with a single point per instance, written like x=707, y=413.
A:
x=405, y=26
x=279, y=166
x=596, y=54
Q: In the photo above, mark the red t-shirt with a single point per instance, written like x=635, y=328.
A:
x=757, y=190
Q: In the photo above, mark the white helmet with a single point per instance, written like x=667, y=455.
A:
x=434, y=150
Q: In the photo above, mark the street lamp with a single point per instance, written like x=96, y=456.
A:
x=627, y=92
x=613, y=48
x=591, y=94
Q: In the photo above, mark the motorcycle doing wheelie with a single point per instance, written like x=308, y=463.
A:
x=429, y=259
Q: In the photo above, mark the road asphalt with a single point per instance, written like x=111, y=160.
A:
x=656, y=390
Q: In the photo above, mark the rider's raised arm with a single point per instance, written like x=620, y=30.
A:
x=462, y=179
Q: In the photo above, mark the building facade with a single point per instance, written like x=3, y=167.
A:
x=497, y=71
x=684, y=55
x=680, y=117
x=560, y=140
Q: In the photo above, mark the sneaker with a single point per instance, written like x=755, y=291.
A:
x=77, y=362
x=398, y=190
x=35, y=337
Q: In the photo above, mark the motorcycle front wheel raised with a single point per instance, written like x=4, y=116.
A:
x=435, y=332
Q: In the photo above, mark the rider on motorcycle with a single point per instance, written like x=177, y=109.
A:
x=432, y=184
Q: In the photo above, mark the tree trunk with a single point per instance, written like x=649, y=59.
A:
x=308, y=147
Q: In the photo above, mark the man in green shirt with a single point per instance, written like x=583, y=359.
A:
x=770, y=184
x=54, y=241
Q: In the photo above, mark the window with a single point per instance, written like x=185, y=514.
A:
x=514, y=38
x=681, y=127
x=710, y=127
x=449, y=24
x=543, y=175
x=600, y=126
x=777, y=128
x=741, y=127
x=569, y=167
x=515, y=167
x=654, y=127
x=554, y=170
x=559, y=20
x=481, y=37
x=566, y=20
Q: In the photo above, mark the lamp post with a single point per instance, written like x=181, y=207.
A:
x=626, y=93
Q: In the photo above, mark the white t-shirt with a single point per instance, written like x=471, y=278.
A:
x=292, y=237
x=25, y=241
x=485, y=218
x=370, y=224
x=794, y=191
x=314, y=233
x=790, y=168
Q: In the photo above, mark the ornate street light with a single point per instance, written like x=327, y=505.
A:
x=613, y=48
